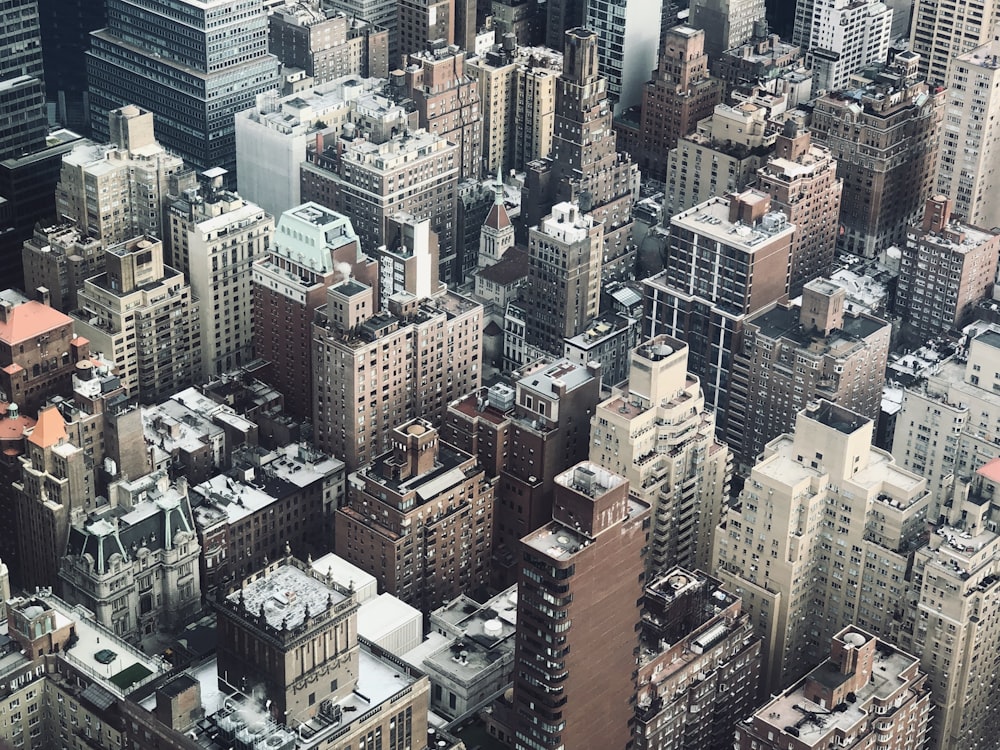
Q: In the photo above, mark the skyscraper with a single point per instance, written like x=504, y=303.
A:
x=193, y=64
x=821, y=538
x=578, y=596
x=658, y=434
x=629, y=40
x=895, y=112
x=23, y=121
x=584, y=165
x=968, y=147
x=726, y=23
x=942, y=30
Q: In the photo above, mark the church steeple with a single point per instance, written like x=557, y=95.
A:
x=497, y=233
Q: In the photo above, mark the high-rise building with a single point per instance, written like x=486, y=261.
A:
x=840, y=37
x=629, y=40
x=420, y=519
x=658, y=434
x=722, y=156
x=763, y=60
x=698, y=667
x=313, y=248
x=381, y=14
x=408, y=262
x=947, y=268
x=283, y=127
x=193, y=64
x=372, y=369
x=584, y=165
x=141, y=315
x=821, y=538
x=117, y=191
x=57, y=480
x=959, y=404
x=943, y=31
x=274, y=618
x=578, y=604
x=727, y=23
x=38, y=352
x=795, y=353
x=413, y=172
x=867, y=693
x=23, y=122
x=564, y=276
x=801, y=178
x=421, y=22
x=560, y=17
x=60, y=258
x=951, y=621
x=155, y=585
x=534, y=116
x=447, y=99
x=679, y=95
x=326, y=44
x=215, y=236
x=967, y=146
x=895, y=112
x=726, y=260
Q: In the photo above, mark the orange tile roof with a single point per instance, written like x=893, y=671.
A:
x=29, y=319
x=13, y=429
x=497, y=217
x=990, y=470
x=50, y=430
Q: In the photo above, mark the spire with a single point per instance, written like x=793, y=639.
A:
x=498, y=189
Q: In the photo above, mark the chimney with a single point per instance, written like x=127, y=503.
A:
x=42, y=295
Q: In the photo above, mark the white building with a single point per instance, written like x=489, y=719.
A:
x=840, y=37
x=944, y=29
x=215, y=236
x=970, y=146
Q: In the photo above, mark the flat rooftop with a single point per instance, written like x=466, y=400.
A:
x=837, y=417
x=285, y=595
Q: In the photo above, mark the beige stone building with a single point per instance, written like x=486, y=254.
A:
x=722, y=156
x=60, y=257
x=116, y=191
x=215, y=236
x=141, y=315
x=658, y=434
x=821, y=538
x=372, y=369
x=944, y=30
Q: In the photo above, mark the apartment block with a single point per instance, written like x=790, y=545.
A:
x=764, y=59
x=841, y=37
x=954, y=582
x=867, y=691
x=246, y=516
x=326, y=44
x=821, y=538
x=535, y=107
x=699, y=664
x=607, y=339
x=897, y=112
x=283, y=126
x=947, y=268
x=680, y=95
x=722, y=156
x=657, y=433
x=313, y=248
x=448, y=101
x=60, y=257
x=579, y=581
x=215, y=237
x=141, y=315
x=796, y=353
x=413, y=172
x=56, y=479
x=629, y=40
x=421, y=22
x=949, y=422
x=118, y=190
x=343, y=688
x=38, y=351
x=372, y=369
x=381, y=13
x=420, y=519
x=801, y=178
x=737, y=239
x=564, y=276
x=967, y=146
x=134, y=562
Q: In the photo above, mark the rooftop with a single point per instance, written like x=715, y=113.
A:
x=28, y=320
x=711, y=219
x=560, y=373
x=286, y=597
